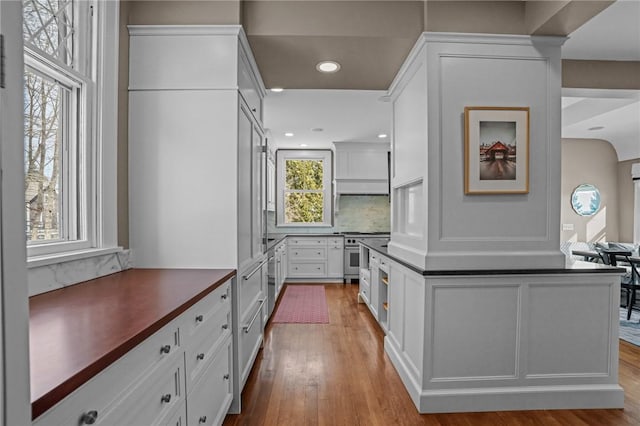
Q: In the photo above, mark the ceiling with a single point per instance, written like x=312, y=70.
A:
x=612, y=115
x=371, y=43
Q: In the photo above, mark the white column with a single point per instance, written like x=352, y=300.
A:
x=635, y=174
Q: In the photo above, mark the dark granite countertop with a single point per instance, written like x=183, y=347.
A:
x=571, y=267
x=275, y=239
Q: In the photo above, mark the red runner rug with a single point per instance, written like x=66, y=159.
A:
x=303, y=304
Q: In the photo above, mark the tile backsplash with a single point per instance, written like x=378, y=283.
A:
x=360, y=213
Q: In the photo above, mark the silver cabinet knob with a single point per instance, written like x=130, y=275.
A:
x=200, y=356
x=166, y=397
x=223, y=296
x=226, y=377
x=165, y=349
x=202, y=419
x=318, y=253
x=199, y=318
x=225, y=326
x=89, y=417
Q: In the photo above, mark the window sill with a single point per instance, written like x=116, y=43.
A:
x=51, y=259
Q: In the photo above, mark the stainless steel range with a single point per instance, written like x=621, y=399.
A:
x=352, y=252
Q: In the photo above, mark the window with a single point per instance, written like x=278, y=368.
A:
x=304, y=188
x=66, y=118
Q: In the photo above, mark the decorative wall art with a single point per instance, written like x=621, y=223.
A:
x=496, y=150
x=585, y=200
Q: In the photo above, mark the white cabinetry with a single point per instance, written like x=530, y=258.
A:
x=281, y=267
x=197, y=166
x=362, y=168
x=315, y=257
x=335, y=257
x=271, y=181
x=153, y=382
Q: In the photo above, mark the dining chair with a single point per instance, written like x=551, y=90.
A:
x=631, y=280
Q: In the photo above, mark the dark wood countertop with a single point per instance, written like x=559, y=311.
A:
x=77, y=331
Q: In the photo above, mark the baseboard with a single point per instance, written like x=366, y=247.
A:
x=511, y=398
x=521, y=398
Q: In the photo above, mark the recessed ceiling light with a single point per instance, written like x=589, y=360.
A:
x=328, y=66
x=277, y=89
x=288, y=134
x=382, y=135
x=317, y=129
x=596, y=128
x=303, y=145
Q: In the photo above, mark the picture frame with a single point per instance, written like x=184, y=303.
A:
x=496, y=150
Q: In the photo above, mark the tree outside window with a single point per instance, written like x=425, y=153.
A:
x=304, y=187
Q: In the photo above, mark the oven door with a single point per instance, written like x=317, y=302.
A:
x=351, y=262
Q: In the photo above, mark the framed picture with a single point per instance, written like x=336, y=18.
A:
x=496, y=150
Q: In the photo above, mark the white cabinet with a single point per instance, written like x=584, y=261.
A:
x=280, y=267
x=196, y=163
x=361, y=168
x=335, y=257
x=271, y=181
x=374, y=285
x=317, y=257
x=252, y=314
x=154, y=382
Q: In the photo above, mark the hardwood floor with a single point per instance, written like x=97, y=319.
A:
x=338, y=374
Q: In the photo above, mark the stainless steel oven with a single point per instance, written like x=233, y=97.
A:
x=352, y=252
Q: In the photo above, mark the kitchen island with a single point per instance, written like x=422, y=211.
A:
x=80, y=336
x=486, y=340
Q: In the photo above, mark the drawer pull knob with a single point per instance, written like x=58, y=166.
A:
x=89, y=417
x=223, y=296
x=199, y=318
x=226, y=377
x=202, y=419
x=166, y=397
x=318, y=253
x=200, y=356
x=225, y=326
x=165, y=349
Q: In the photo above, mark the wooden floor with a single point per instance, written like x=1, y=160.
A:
x=338, y=374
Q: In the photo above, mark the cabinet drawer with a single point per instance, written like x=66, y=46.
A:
x=364, y=291
x=156, y=353
x=151, y=402
x=249, y=340
x=308, y=253
x=307, y=241
x=178, y=417
x=335, y=242
x=307, y=269
x=199, y=316
x=249, y=290
x=211, y=397
x=204, y=344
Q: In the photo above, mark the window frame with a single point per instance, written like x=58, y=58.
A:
x=326, y=155
x=97, y=126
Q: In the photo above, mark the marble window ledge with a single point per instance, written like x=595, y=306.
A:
x=76, y=268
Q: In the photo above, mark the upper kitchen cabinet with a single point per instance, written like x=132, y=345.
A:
x=362, y=167
x=195, y=57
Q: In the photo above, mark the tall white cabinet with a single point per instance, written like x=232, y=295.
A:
x=196, y=166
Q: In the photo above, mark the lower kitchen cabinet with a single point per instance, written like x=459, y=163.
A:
x=166, y=379
x=316, y=257
x=212, y=393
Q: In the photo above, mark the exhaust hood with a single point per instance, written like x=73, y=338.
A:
x=361, y=168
